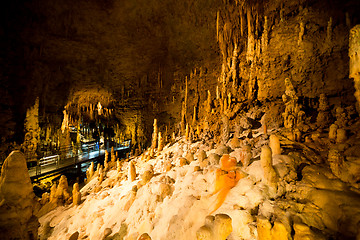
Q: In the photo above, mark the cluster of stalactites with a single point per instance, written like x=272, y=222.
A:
x=244, y=29
x=76, y=112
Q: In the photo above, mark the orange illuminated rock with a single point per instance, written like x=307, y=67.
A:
x=226, y=178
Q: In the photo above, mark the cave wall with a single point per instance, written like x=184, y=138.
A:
x=140, y=55
x=265, y=42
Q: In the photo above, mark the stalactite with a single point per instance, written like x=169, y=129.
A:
x=183, y=120
x=282, y=17
x=329, y=31
x=242, y=21
x=217, y=93
x=186, y=95
x=251, y=38
x=217, y=25
x=194, y=117
x=265, y=35
x=234, y=72
x=354, y=64
x=208, y=102
x=301, y=32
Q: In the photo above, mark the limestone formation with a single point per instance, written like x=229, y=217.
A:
x=98, y=169
x=270, y=175
x=354, y=65
x=113, y=156
x=132, y=171
x=147, y=175
x=144, y=236
x=332, y=131
x=225, y=134
x=204, y=233
x=275, y=145
x=45, y=197
x=100, y=174
x=263, y=228
x=293, y=115
x=182, y=161
x=280, y=231
x=76, y=194
x=347, y=170
x=235, y=143
x=106, y=166
x=160, y=143
x=341, y=135
x=17, y=208
x=53, y=193
x=201, y=155
x=227, y=176
x=118, y=165
x=154, y=135
x=189, y=157
x=303, y=232
x=203, y=160
x=91, y=171
x=213, y=159
x=216, y=228
x=245, y=155
x=341, y=117
x=62, y=195
x=324, y=116
x=31, y=125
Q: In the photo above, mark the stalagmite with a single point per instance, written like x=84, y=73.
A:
x=53, y=193
x=90, y=171
x=341, y=135
x=132, y=171
x=263, y=228
x=100, y=174
x=154, y=135
x=17, y=200
x=187, y=132
x=266, y=163
x=76, y=194
x=332, y=131
x=160, y=143
x=118, y=165
x=215, y=228
x=106, y=156
x=62, y=195
x=301, y=33
x=275, y=145
x=323, y=117
x=302, y=231
x=106, y=165
x=113, y=157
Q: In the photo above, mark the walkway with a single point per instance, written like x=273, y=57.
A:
x=59, y=164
